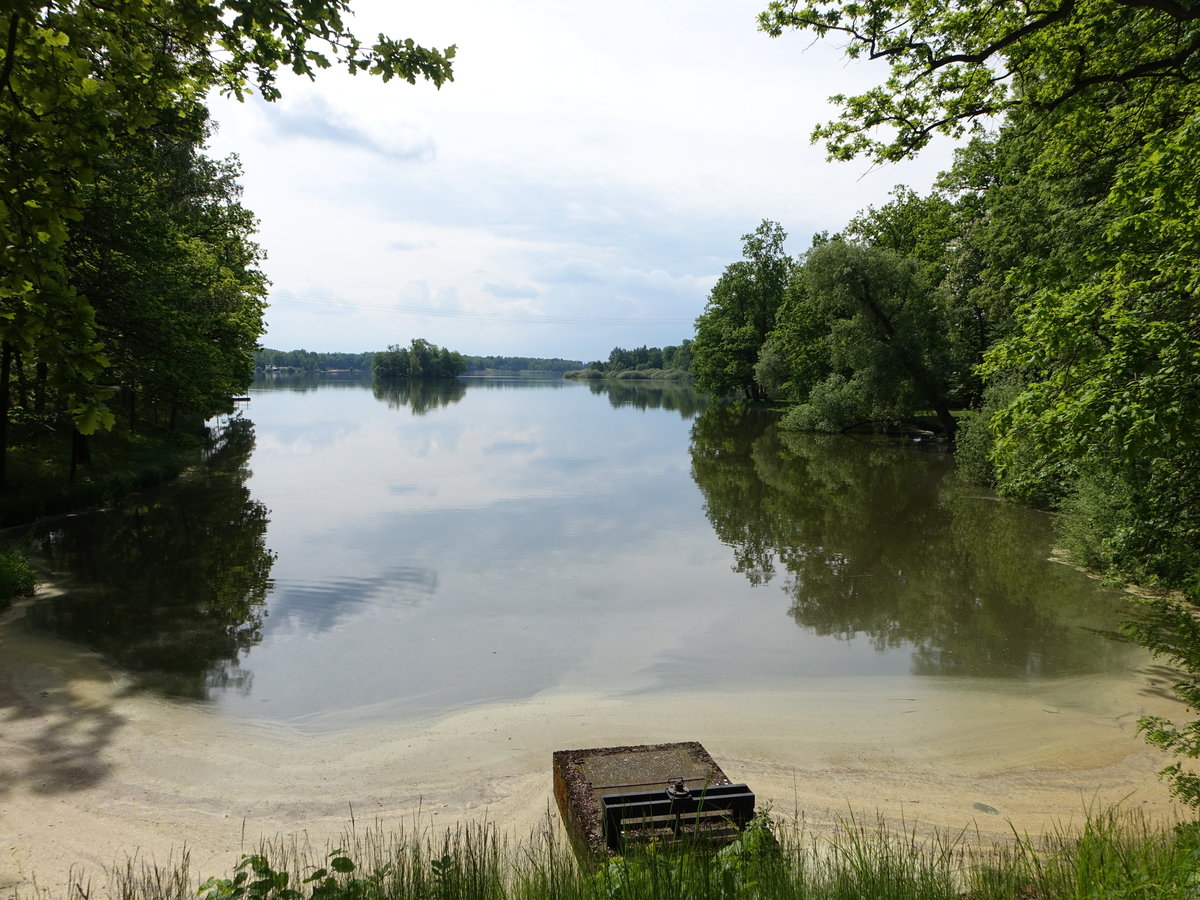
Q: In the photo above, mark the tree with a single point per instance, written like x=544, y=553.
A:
x=955, y=63
x=869, y=341
x=1083, y=245
x=420, y=359
x=740, y=313
x=164, y=253
x=79, y=77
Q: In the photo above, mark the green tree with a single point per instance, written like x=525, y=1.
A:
x=955, y=62
x=80, y=77
x=1080, y=239
x=740, y=313
x=164, y=253
x=868, y=337
x=420, y=359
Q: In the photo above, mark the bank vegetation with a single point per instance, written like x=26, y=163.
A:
x=1111, y=854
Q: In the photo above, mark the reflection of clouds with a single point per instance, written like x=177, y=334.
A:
x=315, y=606
x=306, y=439
x=511, y=448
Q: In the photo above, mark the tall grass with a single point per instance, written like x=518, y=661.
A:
x=1114, y=854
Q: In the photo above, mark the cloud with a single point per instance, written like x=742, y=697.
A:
x=580, y=185
x=512, y=291
x=408, y=246
x=313, y=117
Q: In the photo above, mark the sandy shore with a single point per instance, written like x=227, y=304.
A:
x=91, y=773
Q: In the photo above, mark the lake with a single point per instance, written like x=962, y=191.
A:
x=402, y=551
x=394, y=603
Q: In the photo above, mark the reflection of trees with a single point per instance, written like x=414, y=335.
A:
x=667, y=395
x=420, y=395
x=306, y=382
x=171, y=585
x=877, y=539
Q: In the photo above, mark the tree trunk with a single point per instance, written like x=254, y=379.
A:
x=5, y=373
x=81, y=453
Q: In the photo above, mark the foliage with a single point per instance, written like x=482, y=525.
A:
x=1072, y=258
x=954, y=64
x=740, y=313
x=975, y=440
x=17, y=577
x=518, y=364
x=1113, y=854
x=420, y=359
x=1115, y=359
x=865, y=335
x=164, y=253
x=672, y=362
x=308, y=361
x=82, y=81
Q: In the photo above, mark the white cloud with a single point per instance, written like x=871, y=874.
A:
x=581, y=183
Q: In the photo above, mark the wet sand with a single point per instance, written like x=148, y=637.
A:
x=91, y=773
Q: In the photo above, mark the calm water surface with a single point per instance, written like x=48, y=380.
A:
x=364, y=553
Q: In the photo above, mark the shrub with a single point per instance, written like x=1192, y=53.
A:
x=17, y=578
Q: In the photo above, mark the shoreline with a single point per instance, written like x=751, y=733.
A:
x=92, y=774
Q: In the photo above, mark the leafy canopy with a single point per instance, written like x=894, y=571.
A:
x=954, y=63
x=80, y=76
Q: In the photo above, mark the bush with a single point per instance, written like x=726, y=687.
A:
x=975, y=441
x=17, y=578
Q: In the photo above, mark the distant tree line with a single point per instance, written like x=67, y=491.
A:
x=672, y=362
x=309, y=361
x=515, y=364
x=312, y=362
x=420, y=359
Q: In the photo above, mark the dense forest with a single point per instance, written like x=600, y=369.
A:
x=1040, y=304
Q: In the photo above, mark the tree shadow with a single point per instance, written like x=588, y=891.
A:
x=53, y=740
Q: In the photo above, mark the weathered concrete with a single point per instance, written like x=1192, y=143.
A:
x=583, y=777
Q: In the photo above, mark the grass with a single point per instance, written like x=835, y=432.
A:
x=1115, y=854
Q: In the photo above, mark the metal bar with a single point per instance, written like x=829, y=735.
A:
x=733, y=801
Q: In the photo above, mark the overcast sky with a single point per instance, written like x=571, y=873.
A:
x=580, y=185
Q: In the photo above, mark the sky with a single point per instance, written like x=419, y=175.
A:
x=579, y=186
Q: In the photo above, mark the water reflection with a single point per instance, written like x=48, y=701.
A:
x=875, y=539
x=527, y=534
x=418, y=394
x=306, y=382
x=172, y=585
x=676, y=397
